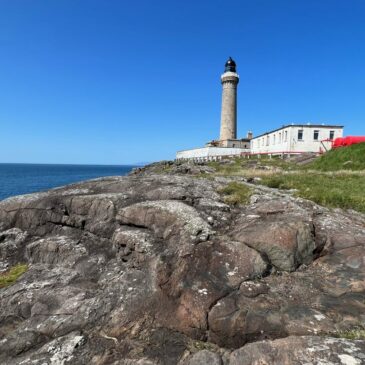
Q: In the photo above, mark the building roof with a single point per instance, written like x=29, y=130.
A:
x=299, y=125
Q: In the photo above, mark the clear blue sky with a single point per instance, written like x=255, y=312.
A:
x=116, y=81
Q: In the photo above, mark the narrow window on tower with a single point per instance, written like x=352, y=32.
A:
x=316, y=135
x=332, y=134
x=300, y=135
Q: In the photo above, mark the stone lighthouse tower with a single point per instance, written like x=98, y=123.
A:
x=229, y=81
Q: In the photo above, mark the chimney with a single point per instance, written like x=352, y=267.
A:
x=249, y=135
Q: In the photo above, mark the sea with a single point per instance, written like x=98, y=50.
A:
x=17, y=179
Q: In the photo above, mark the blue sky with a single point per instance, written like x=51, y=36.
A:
x=116, y=82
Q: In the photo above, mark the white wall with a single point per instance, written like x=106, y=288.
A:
x=286, y=140
x=210, y=152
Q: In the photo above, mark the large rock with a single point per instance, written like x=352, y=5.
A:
x=168, y=219
x=133, y=270
x=286, y=242
x=301, y=351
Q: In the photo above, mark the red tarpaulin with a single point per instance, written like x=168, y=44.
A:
x=347, y=141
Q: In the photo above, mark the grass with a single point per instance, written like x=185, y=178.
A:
x=335, y=180
x=235, y=193
x=345, y=191
x=357, y=333
x=9, y=277
x=344, y=158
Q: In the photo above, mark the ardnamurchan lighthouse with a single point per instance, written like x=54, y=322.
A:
x=229, y=81
x=227, y=144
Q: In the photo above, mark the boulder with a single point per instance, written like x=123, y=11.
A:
x=285, y=242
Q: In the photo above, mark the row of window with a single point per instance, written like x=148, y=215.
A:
x=315, y=135
x=283, y=137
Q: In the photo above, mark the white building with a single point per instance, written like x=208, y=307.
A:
x=296, y=139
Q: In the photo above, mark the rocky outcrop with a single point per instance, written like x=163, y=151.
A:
x=155, y=268
x=300, y=350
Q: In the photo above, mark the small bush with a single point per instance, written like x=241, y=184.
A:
x=9, y=277
x=236, y=193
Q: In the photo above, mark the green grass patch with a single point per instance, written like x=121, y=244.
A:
x=345, y=191
x=235, y=193
x=343, y=158
x=357, y=333
x=9, y=277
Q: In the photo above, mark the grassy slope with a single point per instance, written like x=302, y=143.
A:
x=344, y=158
x=331, y=180
x=338, y=191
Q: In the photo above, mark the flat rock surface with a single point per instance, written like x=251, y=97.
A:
x=155, y=268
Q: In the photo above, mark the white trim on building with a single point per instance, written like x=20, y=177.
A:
x=296, y=139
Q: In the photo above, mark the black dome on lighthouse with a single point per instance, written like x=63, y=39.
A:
x=230, y=65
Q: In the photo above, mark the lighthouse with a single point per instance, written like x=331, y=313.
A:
x=227, y=145
x=229, y=80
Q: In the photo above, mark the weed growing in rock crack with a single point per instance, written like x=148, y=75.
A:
x=195, y=346
x=9, y=277
x=236, y=193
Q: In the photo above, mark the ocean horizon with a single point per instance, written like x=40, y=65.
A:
x=25, y=178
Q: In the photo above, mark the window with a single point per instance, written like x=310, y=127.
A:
x=300, y=135
x=274, y=139
x=316, y=135
x=279, y=137
x=332, y=134
x=267, y=140
x=286, y=136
